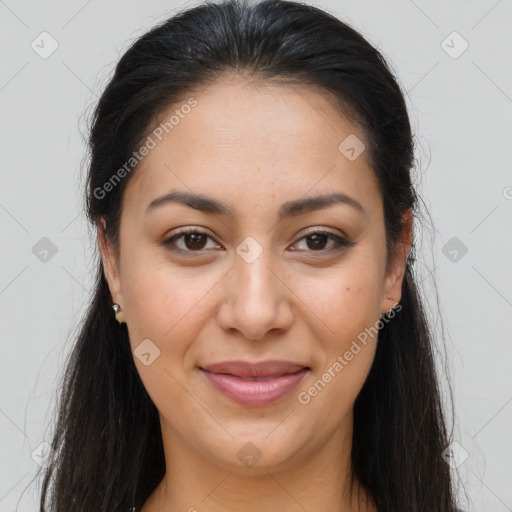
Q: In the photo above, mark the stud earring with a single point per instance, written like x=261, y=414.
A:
x=117, y=310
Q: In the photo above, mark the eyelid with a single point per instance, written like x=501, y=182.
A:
x=321, y=230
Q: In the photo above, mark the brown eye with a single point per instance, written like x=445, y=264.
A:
x=191, y=241
x=194, y=241
x=316, y=241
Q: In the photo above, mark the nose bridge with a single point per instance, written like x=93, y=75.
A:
x=256, y=299
x=255, y=279
x=253, y=262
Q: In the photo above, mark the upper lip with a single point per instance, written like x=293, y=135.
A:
x=257, y=369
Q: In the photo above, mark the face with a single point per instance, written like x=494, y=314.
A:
x=270, y=275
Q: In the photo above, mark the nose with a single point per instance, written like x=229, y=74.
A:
x=256, y=298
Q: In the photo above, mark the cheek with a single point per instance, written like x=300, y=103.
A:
x=349, y=305
x=345, y=300
x=163, y=306
x=169, y=306
x=328, y=398
x=156, y=293
x=346, y=306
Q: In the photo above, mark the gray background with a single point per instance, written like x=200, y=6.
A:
x=461, y=110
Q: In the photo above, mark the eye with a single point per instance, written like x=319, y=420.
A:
x=194, y=241
x=317, y=239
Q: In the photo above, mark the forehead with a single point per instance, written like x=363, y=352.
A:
x=244, y=140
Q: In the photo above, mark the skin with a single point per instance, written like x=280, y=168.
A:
x=254, y=147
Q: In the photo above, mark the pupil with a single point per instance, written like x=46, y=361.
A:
x=315, y=238
x=196, y=237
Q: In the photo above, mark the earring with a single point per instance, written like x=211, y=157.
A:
x=117, y=310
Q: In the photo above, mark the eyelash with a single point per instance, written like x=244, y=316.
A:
x=341, y=243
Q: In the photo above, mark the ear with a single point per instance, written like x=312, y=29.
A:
x=110, y=264
x=397, y=265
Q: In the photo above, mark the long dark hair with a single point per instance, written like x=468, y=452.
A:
x=107, y=438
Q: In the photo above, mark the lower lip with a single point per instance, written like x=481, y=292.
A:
x=255, y=392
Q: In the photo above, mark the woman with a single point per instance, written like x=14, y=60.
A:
x=250, y=186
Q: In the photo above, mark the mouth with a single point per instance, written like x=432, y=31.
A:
x=255, y=384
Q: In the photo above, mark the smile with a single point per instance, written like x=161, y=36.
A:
x=255, y=391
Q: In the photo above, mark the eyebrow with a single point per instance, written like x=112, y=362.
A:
x=289, y=209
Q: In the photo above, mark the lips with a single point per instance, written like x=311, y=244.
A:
x=255, y=384
x=261, y=369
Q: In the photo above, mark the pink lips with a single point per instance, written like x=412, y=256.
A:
x=255, y=384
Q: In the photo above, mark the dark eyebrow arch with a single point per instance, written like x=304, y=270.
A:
x=289, y=209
